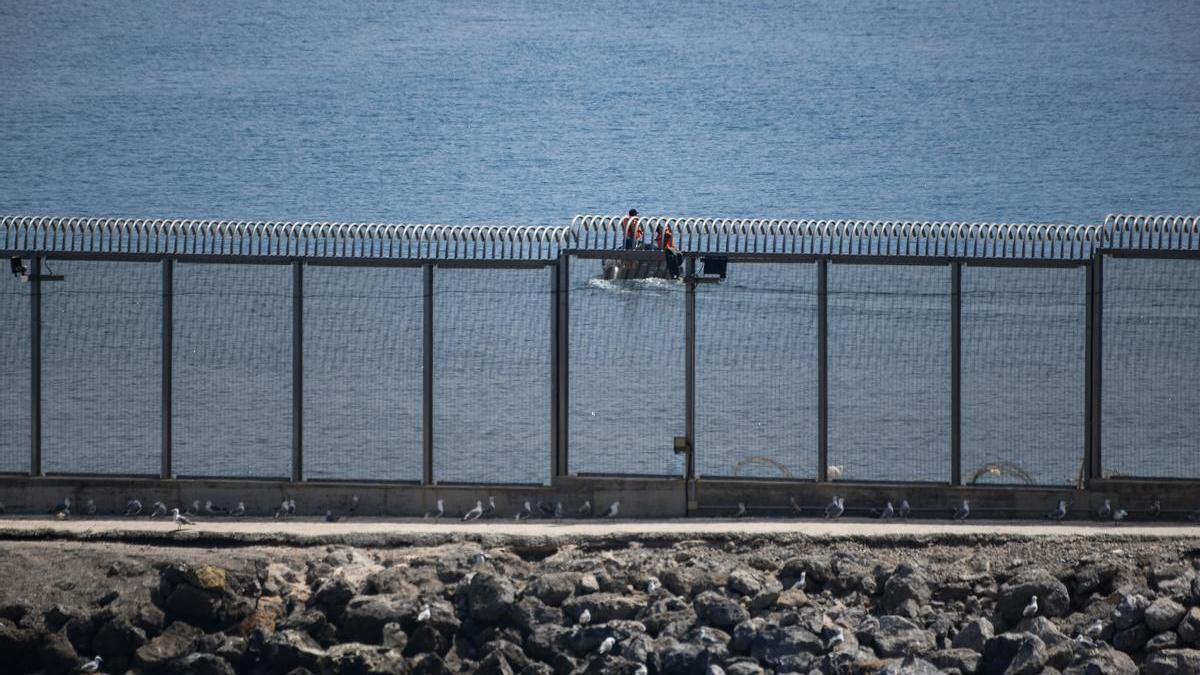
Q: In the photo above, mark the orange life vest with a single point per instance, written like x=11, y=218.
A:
x=632, y=227
x=663, y=238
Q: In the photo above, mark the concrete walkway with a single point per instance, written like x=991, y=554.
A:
x=315, y=530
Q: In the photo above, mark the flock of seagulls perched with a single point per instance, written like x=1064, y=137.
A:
x=286, y=510
x=837, y=508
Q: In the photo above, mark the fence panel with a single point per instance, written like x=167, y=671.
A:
x=626, y=350
x=889, y=373
x=362, y=373
x=102, y=368
x=1023, y=356
x=491, y=375
x=1151, y=356
x=14, y=374
x=756, y=372
x=232, y=370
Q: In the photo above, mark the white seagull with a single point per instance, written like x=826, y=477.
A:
x=612, y=510
x=214, y=510
x=653, y=585
x=291, y=508
x=1032, y=608
x=425, y=613
x=801, y=581
x=239, y=510
x=1106, y=510
x=835, y=509
x=475, y=513
x=1119, y=515
x=741, y=510
x=904, y=509
x=607, y=645
x=888, y=512
x=438, y=512
x=133, y=507
x=837, y=639
x=585, y=617
x=963, y=511
x=526, y=511
x=180, y=520
x=160, y=509
x=586, y=509
x=1060, y=511
x=91, y=666
x=64, y=506
x=490, y=507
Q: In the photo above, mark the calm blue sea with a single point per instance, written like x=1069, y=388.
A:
x=530, y=112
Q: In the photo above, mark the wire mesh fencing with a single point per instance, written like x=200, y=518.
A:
x=1023, y=369
x=756, y=372
x=101, y=368
x=363, y=346
x=1151, y=358
x=889, y=372
x=491, y=374
x=232, y=403
x=14, y=375
x=626, y=372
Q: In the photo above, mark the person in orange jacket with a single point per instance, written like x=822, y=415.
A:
x=632, y=227
x=664, y=240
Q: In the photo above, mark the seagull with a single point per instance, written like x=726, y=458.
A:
x=90, y=507
x=1084, y=642
x=904, y=509
x=91, y=666
x=837, y=639
x=558, y=509
x=585, y=510
x=1106, y=510
x=963, y=511
x=214, y=510
x=282, y=511
x=478, y=558
x=1119, y=515
x=475, y=513
x=425, y=613
x=354, y=505
x=1032, y=608
x=653, y=585
x=133, y=507
x=835, y=472
x=585, y=617
x=160, y=509
x=546, y=509
x=741, y=510
x=1095, y=629
x=180, y=520
x=888, y=512
x=1060, y=512
x=330, y=517
x=1156, y=509
x=438, y=512
x=835, y=509
x=641, y=670
x=239, y=510
x=796, y=510
x=801, y=582
x=291, y=508
x=63, y=515
x=525, y=512
x=490, y=507
x=65, y=506
x=612, y=510
x=607, y=645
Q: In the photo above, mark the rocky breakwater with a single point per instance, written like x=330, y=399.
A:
x=691, y=607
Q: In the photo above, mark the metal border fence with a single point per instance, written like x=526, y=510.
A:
x=430, y=247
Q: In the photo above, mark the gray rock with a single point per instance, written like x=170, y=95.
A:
x=1172, y=662
x=15, y=610
x=1013, y=654
x=744, y=632
x=426, y=639
x=174, y=642
x=150, y=619
x=201, y=664
x=391, y=581
x=1103, y=661
x=771, y=646
x=361, y=659
x=490, y=597
x=333, y=595
x=668, y=616
x=1164, y=614
x=1131, y=639
x=743, y=668
x=1059, y=647
x=553, y=588
x=719, y=611
x=974, y=635
x=745, y=582
x=911, y=665
x=897, y=636
x=1168, y=640
x=392, y=636
x=513, y=654
x=365, y=616
x=287, y=649
x=586, y=639
x=1093, y=578
x=56, y=655
x=817, y=572
x=1130, y=610
x=116, y=641
x=603, y=606
x=232, y=648
x=529, y=612
x=495, y=664
x=588, y=583
x=963, y=660
x=193, y=605
x=18, y=643
x=905, y=592
x=681, y=580
x=1189, y=627
x=1053, y=599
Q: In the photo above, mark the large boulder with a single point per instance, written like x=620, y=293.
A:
x=56, y=655
x=603, y=607
x=365, y=616
x=19, y=643
x=745, y=582
x=553, y=588
x=391, y=581
x=1189, y=627
x=1053, y=599
x=201, y=664
x=962, y=660
x=1013, y=654
x=896, y=636
x=1132, y=639
x=668, y=616
x=176, y=641
x=116, y=641
x=1172, y=661
x=905, y=592
x=1103, y=660
x=974, y=635
x=489, y=597
x=719, y=611
x=1059, y=647
x=1164, y=614
x=288, y=649
x=194, y=605
x=773, y=646
x=332, y=596
x=1130, y=610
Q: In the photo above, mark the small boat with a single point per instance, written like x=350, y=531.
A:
x=647, y=264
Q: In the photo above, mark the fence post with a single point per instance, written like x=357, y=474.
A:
x=35, y=366
x=297, y=371
x=689, y=404
x=1095, y=366
x=564, y=362
x=427, y=379
x=167, y=469
x=956, y=373
x=822, y=371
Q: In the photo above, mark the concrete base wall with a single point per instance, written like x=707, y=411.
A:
x=639, y=497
